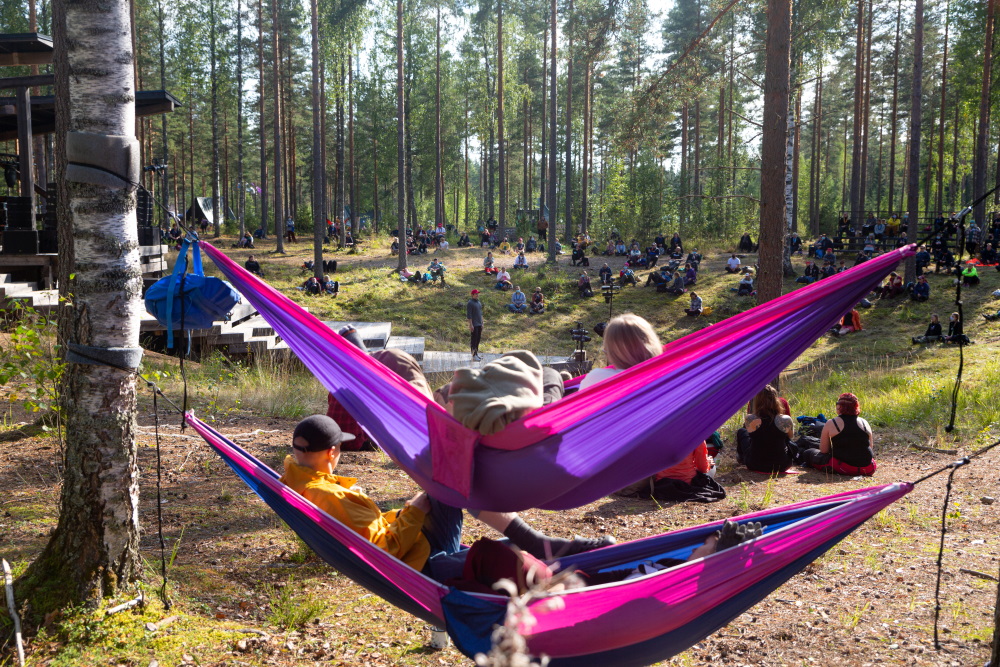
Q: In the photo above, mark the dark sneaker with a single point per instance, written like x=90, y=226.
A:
x=578, y=545
x=733, y=533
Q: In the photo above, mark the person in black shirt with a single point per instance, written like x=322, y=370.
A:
x=956, y=333
x=253, y=266
x=933, y=333
x=845, y=445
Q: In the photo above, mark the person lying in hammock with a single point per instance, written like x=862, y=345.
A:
x=425, y=534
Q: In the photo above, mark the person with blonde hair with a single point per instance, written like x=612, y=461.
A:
x=628, y=340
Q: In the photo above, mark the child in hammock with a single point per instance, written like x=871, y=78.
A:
x=425, y=534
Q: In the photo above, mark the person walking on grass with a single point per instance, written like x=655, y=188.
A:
x=474, y=313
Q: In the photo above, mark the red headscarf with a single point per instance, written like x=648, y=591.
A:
x=848, y=404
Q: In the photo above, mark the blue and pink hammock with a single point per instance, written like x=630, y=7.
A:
x=571, y=453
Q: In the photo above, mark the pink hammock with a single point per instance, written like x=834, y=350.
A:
x=591, y=443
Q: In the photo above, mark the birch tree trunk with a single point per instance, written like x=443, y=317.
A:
x=94, y=549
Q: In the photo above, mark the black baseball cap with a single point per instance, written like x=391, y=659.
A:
x=321, y=432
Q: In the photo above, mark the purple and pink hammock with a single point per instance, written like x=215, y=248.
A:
x=571, y=453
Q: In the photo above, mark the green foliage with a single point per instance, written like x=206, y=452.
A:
x=292, y=606
x=30, y=366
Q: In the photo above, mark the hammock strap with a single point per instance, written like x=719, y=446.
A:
x=159, y=502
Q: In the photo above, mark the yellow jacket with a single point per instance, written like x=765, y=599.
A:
x=397, y=532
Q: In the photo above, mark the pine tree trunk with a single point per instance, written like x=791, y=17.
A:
x=983, y=130
x=216, y=209
x=438, y=193
x=501, y=136
x=916, y=92
x=776, y=97
x=568, y=185
x=160, y=19
x=543, y=172
x=279, y=220
x=341, y=211
x=400, y=142
x=866, y=123
x=262, y=115
x=859, y=96
x=242, y=199
x=352, y=185
x=553, y=204
x=944, y=91
x=94, y=551
x=585, y=172
x=317, y=152
x=894, y=116
x=684, y=204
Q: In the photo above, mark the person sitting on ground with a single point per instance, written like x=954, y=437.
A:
x=946, y=260
x=861, y=257
x=519, y=246
x=634, y=255
x=921, y=289
x=745, y=286
x=690, y=275
x=583, y=284
x=733, y=264
x=436, y=269
x=970, y=276
x=609, y=249
x=442, y=244
x=657, y=279
x=531, y=245
x=518, y=301
x=485, y=240
x=503, y=280
x=246, y=241
x=311, y=286
x=933, y=333
x=846, y=442
x=745, y=244
x=828, y=270
x=504, y=247
x=628, y=340
x=795, y=244
x=621, y=250
x=696, y=308
x=956, y=332
x=627, y=276
x=690, y=480
x=677, y=286
x=253, y=266
x=537, y=304
x=893, y=286
x=988, y=256
x=579, y=257
x=330, y=286
x=676, y=244
x=842, y=266
x=464, y=241
x=521, y=262
x=694, y=259
x=652, y=255
x=809, y=275
x=764, y=443
x=605, y=274
x=488, y=264
x=425, y=534
x=850, y=323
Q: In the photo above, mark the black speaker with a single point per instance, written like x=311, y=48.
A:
x=19, y=213
x=48, y=241
x=20, y=242
x=144, y=209
x=149, y=236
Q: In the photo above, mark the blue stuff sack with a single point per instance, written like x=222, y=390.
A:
x=190, y=300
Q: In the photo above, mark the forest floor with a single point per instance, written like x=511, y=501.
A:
x=246, y=591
